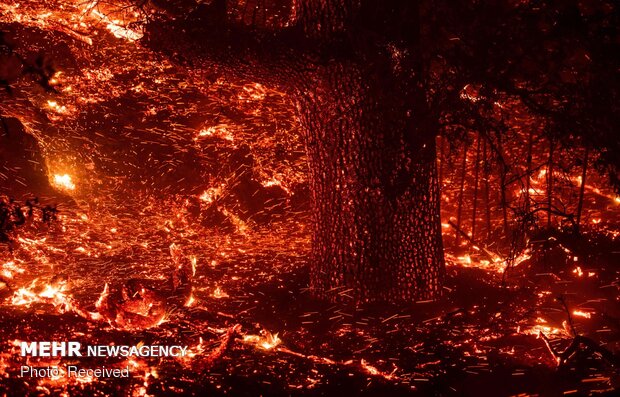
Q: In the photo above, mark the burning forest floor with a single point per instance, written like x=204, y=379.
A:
x=482, y=338
x=157, y=168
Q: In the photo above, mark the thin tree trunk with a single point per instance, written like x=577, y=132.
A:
x=504, y=201
x=475, y=199
x=528, y=175
x=442, y=159
x=459, y=211
x=504, y=205
x=584, y=171
x=487, y=189
x=550, y=182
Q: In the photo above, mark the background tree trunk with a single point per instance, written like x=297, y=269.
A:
x=487, y=189
x=550, y=182
x=459, y=211
x=582, y=188
x=475, y=199
x=375, y=192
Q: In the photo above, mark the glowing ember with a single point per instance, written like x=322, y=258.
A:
x=581, y=313
x=9, y=269
x=267, y=341
x=372, y=370
x=23, y=297
x=218, y=293
x=118, y=28
x=220, y=131
x=547, y=330
x=190, y=301
x=211, y=194
x=64, y=182
x=56, y=107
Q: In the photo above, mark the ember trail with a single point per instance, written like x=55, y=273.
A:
x=310, y=197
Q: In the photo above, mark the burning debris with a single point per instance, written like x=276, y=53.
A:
x=144, y=303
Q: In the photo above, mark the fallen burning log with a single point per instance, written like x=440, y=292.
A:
x=578, y=344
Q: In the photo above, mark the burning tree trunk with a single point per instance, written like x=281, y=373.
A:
x=375, y=191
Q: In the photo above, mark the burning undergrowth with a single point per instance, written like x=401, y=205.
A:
x=249, y=328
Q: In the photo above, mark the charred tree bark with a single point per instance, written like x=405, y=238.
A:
x=371, y=145
x=375, y=191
